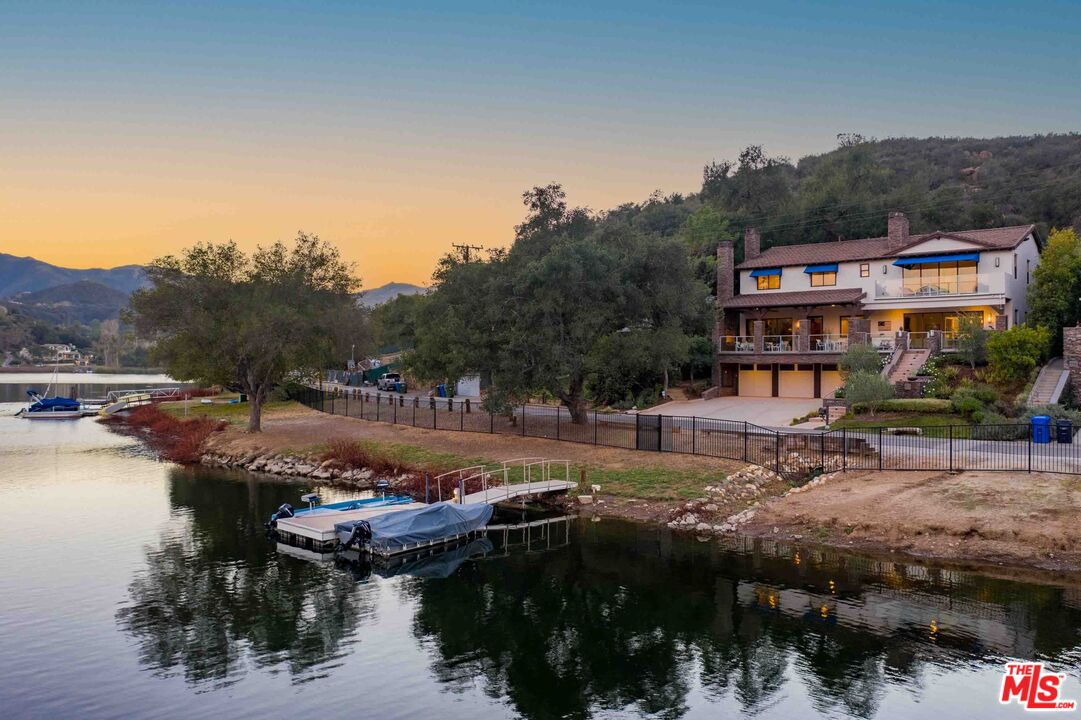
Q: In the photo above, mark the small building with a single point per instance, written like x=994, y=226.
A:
x=786, y=314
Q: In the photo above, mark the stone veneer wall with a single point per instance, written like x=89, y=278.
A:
x=1071, y=355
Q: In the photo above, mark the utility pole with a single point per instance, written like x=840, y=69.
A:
x=467, y=250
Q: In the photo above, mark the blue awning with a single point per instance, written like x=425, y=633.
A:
x=927, y=259
x=764, y=272
x=827, y=267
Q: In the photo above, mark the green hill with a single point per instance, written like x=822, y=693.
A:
x=80, y=302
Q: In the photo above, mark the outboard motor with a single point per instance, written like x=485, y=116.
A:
x=362, y=533
x=285, y=511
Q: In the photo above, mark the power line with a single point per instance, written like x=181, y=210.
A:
x=466, y=250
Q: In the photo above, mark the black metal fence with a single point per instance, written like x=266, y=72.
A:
x=794, y=454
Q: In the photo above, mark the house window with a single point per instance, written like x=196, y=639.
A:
x=1015, y=266
x=823, y=279
x=844, y=325
x=769, y=282
x=865, y=269
x=941, y=278
x=1028, y=275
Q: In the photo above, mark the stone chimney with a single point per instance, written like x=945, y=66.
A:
x=726, y=263
x=752, y=243
x=897, y=224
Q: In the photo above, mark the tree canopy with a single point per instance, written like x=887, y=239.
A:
x=576, y=296
x=220, y=316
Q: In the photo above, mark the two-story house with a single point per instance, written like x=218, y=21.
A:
x=783, y=328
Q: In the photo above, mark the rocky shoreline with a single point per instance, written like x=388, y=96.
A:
x=298, y=466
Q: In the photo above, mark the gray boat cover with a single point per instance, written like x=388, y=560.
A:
x=395, y=530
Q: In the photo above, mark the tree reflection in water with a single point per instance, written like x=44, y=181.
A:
x=628, y=616
x=625, y=617
x=214, y=596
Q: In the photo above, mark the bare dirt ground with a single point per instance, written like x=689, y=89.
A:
x=969, y=518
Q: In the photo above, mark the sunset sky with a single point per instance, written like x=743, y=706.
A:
x=131, y=130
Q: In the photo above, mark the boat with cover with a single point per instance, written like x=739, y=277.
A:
x=50, y=408
x=410, y=529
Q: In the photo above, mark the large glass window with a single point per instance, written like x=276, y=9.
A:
x=945, y=278
x=769, y=282
x=823, y=279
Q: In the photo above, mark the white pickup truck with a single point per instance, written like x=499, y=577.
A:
x=389, y=381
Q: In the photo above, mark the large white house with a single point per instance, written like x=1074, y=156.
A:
x=795, y=308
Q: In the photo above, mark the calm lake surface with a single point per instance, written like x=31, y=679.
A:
x=133, y=588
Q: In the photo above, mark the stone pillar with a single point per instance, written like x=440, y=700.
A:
x=901, y=341
x=1071, y=355
x=759, y=336
x=897, y=230
x=859, y=330
x=726, y=268
x=1002, y=322
x=803, y=342
x=934, y=342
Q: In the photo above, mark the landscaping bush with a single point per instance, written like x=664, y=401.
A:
x=1055, y=412
x=860, y=358
x=993, y=426
x=1013, y=354
x=972, y=400
x=972, y=340
x=944, y=378
x=921, y=405
x=867, y=390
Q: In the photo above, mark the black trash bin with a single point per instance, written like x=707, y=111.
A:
x=1064, y=431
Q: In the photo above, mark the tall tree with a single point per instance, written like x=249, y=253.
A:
x=1054, y=296
x=222, y=317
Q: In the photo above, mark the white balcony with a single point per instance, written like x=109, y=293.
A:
x=944, y=286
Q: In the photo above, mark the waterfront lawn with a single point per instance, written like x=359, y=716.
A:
x=644, y=482
x=234, y=414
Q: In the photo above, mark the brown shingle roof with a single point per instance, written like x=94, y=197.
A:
x=837, y=296
x=875, y=248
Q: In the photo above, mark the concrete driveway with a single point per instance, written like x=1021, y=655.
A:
x=768, y=412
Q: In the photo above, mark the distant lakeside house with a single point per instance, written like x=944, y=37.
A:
x=788, y=313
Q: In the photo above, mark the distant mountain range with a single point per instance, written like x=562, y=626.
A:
x=385, y=293
x=78, y=302
x=24, y=274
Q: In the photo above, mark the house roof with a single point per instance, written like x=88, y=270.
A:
x=1005, y=238
x=834, y=296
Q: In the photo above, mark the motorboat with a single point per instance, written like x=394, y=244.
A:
x=51, y=408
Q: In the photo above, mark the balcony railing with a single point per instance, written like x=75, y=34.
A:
x=779, y=343
x=737, y=343
x=934, y=287
x=828, y=343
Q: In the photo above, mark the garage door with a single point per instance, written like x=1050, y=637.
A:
x=831, y=380
x=755, y=383
x=797, y=384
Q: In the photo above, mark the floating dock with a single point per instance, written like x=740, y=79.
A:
x=316, y=532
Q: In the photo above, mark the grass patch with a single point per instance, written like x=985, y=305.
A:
x=920, y=420
x=236, y=414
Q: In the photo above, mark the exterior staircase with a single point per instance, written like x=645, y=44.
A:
x=1049, y=383
x=909, y=362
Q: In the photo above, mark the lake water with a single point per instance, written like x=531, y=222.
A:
x=133, y=588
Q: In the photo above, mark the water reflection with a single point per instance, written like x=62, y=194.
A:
x=213, y=591
x=558, y=618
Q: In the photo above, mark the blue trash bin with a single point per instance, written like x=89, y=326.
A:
x=1041, y=429
x=441, y=390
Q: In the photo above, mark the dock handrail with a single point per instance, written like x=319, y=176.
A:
x=530, y=466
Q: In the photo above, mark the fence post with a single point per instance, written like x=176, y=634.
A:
x=777, y=452
x=414, y=413
x=594, y=427
x=951, y=447
x=523, y=419
x=435, y=415
x=461, y=416
x=694, y=435
x=377, y=397
x=745, y=428
x=637, y=432
x=558, y=413
x=879, y=447
x=362, y=404
x=1030, y=450
x=844, y=449
x=660, y=433
x=395, y=405
x=347, y=404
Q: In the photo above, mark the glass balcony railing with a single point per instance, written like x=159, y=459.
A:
x=934, y=287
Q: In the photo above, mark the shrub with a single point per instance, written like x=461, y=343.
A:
x=969, y=400
x=944, y=378
x=1055, y=412
x=868, y=390
x=924, y=405
x=1013, y=354
x=175, y=439
x=860, y=358
x=972, y=340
